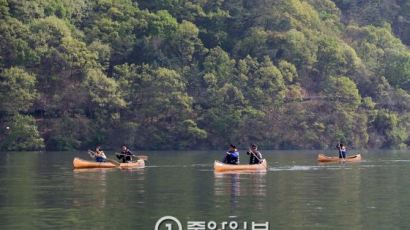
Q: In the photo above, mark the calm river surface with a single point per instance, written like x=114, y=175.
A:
x=40, y=190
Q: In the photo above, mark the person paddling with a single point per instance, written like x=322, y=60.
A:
x=125, y=155
x=342, y=151
x=255, y=157
x=232, y=155
x=99, y=154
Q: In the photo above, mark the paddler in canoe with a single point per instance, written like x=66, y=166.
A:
x=232, y=155
x=125, y=155
x=342, y=151
x=231, y=161
x=255, y=157
x=342, y=156
x=98, y=155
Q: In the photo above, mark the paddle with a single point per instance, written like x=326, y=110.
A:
x=116, y=163
x=260, y=160
x=340, y=153
x=140, y=157
x=250, y=151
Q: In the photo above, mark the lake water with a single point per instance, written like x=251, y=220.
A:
x=42, y=191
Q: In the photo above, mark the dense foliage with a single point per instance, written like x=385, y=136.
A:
x=183, y=74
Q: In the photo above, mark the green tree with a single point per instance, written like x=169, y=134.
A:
x=114, y=23
x=342, y=93
x=336, y=58
x=22, y=134
x=17, y=90
x=15, y=44
x=388, y=124
x=397, y=68
x=159, y=103
x=4, y=9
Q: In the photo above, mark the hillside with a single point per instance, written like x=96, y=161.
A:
x=182, y=74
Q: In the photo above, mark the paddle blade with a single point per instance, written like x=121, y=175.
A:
x=142, y=157
x=91, y=153
x=116, y=163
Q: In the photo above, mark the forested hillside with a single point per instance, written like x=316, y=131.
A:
x=176, y=74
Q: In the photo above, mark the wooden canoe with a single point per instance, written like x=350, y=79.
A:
x=81, y=164
x=221, y=167
x=323, y=158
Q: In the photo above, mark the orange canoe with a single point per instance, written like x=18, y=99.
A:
x=354, y=158
x=82, y=164
x=221, y=167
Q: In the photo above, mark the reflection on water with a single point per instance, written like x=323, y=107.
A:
x=96, y=179
x=136, y=180
x=241, y=185
x=92, y=184
x=228, y=184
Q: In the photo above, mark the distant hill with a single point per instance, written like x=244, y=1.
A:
x=155, y=74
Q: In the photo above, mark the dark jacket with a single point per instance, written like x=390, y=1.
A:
x=255, y=157
x=126, y=152
x=232, y=157
x=125, y=156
